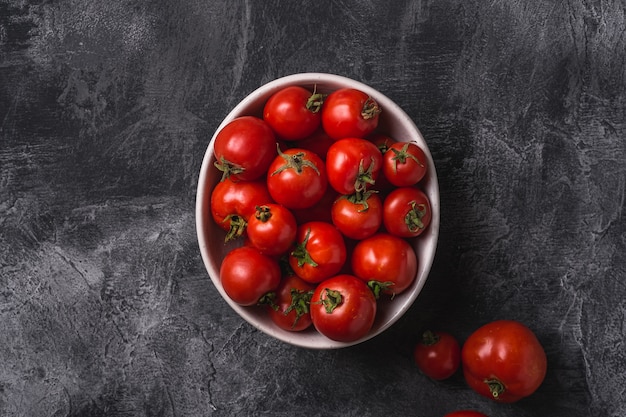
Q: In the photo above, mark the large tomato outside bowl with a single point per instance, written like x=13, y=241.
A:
x=394, y=122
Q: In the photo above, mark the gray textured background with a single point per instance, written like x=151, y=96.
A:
x=106, y=109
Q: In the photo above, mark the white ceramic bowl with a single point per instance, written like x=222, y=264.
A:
x=394, y=122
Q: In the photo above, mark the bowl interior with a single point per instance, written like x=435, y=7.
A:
x=394, y=122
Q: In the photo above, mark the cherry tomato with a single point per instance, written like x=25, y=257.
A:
x=320, y=252
x=297, y=178
x=466, y=413
x=293, y=112
x=404, y=164
x=388, y=263
x=232, y=204
x=437, y=354
x=406, y=212
x=503, y=360
x=352, y=165
x=358, y=216
x=290, y=307
x=272, y=229
x=348, y=112
x=343, y=308
x=244, y=148
x=383, y=142
x=247, y=275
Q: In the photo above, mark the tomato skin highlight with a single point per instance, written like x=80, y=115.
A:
x=348, y=112
x=503, y=360
x=247, y=275
x=288, y=113
x=437, y=355
x=244, y=148
x=386, y=259
x=353, y=316
x=320, y=252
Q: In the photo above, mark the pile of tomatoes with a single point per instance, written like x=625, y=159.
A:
x=326, y=206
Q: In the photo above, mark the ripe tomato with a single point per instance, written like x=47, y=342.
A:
x=290, y=307
x=348, y=112
x=297, y=178
x=387, y=260
x=293, y=112
x=343, y=308
x=406, y=212
x=247, y=275
x=382, y=141
x=504, y=361
x=437, y=354
x=320, y=252
x=352, y=165
x=272, y=229
x=466, y=413
x=244, y=148
x=232, y=204
x=320, y=211
x=404, y=164
x=358, y=216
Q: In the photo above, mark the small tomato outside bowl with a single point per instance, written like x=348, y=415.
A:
x=393, y=122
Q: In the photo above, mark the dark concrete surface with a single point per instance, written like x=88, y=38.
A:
x=106, y=109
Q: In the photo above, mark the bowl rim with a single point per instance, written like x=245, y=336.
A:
x=314, y=340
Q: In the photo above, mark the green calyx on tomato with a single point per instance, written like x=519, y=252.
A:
x=297, y=162
x=302, y=254
x=364, y=177
x=314, y=103
x=370, y=109
x=413, y=218
x=401, y=155
x=227, y=168
x=378, y=287
x=263, y=213
x=237, y=226
x=330, y=299
x=496, y=387
x=300, y=301
x=429, y=338
x=360, y=198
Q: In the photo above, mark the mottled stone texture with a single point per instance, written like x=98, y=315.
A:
x=106, y=109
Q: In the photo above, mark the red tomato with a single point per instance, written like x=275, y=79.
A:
x=466, y=413
x=272, y=229
x=387, y=260
x=320, y=252
x=352, y=165
x=358, y=216
x=404, y=164
x=383, y=142
x=232, y=204
x=504, y=361
x=437, y=355
x=290, y=308
x=406, y=212
x=343, y=308
x=247, y=275
x=318, y=142
x=293, y=112
x=244, y=148
x=348, y=112
x=297, y=178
